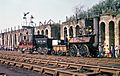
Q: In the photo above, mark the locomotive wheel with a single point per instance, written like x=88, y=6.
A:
x=53, y=52
x=45, y=51
x=73, y=50
x=83, y=50
x=30, y=51
x=42, y=50
x=60, y=53
x=20, y=50
x=39, y=50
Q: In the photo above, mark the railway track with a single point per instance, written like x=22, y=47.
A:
x=57, y=67
x=2, y=74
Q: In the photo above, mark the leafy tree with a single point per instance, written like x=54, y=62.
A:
x=104, y=7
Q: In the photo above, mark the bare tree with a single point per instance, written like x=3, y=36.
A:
x=79, y=11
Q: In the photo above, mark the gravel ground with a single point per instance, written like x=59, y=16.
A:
x=14, y=71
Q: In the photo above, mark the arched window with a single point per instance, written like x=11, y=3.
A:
x=42, y=32
x=46, y=32
x=38, y=32
x=7, y=40
x=20, y=37
x=111, y=33
x=11, y=39
x=15, y=40
x=65, y=32
x=102, y=32
x=77, y=31
x=119, y=32
x=71, y=31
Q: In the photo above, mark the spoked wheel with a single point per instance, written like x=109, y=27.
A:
x=73, y=50
x=39, y=50
x=21, y=50
x=42, y=50
x=83, y=50
x=60, y=53
x=30, y=51
x=45, y=51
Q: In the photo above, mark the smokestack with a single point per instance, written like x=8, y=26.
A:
x=96, y=30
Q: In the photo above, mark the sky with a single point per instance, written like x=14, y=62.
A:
x=12, y=11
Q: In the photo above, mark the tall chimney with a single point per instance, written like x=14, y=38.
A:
x=96, y=31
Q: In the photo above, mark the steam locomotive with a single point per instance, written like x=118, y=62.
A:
x=29, y=42
x=41, y=44
x=83, y=45
x=86, y=45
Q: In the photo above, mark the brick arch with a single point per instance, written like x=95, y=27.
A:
x=7, y=39
x=46, y=32
x=119, y=30
x=102, y=32
x=111, y=33
x=42, y=32
x=11, y=43
x=102, y=21
x=38, y=32
x=65, y=32
x=49, y=33
x=71, y=31
x=77, y=28
x=15, y=37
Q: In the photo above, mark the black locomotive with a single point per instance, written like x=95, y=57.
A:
x=42, y=44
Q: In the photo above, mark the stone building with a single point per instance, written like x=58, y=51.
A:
x=73, y=28
x=11, y=39
x=44, y=30
x=109, y=30
x=50, y=29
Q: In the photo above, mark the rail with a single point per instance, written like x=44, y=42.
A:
x=2, y=74
x=58, y=68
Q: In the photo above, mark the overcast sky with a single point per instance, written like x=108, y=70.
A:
x=11, y=11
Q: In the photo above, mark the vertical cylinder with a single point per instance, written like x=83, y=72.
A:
x=96, y=31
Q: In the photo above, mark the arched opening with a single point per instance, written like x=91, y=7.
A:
x=65, y=36
x=119, y=32
x=38, y=32
x=111, y=34
x=77, y=31
x=15, y=40
x=46, y=32
x=65, y=32
x=27, y=32
x=102, y=29
x=71, y=31
x=42, y=32
x=7, y=40
x=11, y=40
x=20, y=37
